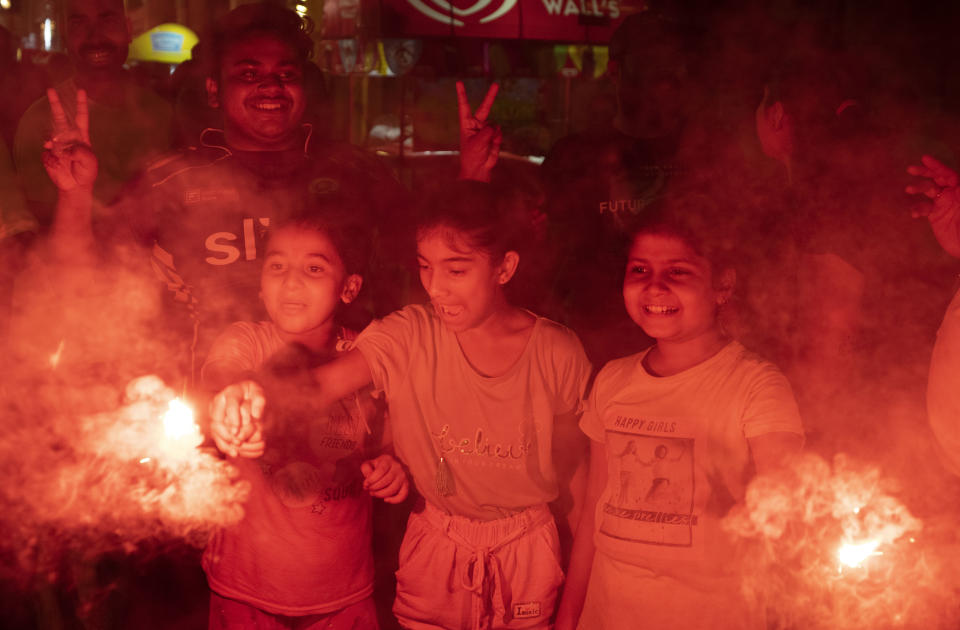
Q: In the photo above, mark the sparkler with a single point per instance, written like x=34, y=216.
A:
x=854, y=555
x=112, y=480
x=57, y=354
x=830, y=546
x=181, y=434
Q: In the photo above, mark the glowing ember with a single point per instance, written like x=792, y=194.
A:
x=181, y=433
x=178, y=421
x=55, y=357
x=854, y=555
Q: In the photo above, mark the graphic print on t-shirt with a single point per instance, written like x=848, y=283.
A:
x=652, y=489
x=493, y=448
x=314, y=463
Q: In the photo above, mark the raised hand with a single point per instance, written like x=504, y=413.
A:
x=385, y=478
x=943, y=207
x=69, y=158
x=235, y=419
x=479, y=140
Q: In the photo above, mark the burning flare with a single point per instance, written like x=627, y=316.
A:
x=181, y=433
x=829, y=545
x=57, y=354
x=854, y=555
x=114, y=480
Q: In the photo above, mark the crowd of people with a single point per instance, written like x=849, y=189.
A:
x=592, y=373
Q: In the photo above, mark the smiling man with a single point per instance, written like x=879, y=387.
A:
x=205, y=211
x=259, y=87
x=211, y=206
x=129, y=126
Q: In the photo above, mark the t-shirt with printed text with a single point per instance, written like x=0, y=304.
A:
x=496, y=433
x=206, y=212
x=303, y=546
x=678, y=457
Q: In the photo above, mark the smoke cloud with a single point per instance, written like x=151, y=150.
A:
x=831, y=545
x=88, y=463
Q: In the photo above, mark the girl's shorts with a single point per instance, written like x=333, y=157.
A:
x=230, y=614
x=459, y=574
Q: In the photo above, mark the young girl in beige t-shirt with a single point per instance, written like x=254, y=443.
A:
x=481, y=394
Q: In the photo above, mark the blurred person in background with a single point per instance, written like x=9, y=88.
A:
x=17, y=226
x=204, y=211
x=595, y=183
x=942, y=208
x=21, y=83
x=869, y=284
x=129, y=126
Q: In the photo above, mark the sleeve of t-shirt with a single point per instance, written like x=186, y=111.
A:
x=770, y=406
x=236, y=351
x=591, y=422
x=386, y=345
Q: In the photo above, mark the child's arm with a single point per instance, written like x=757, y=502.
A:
x=215, y=376
x=571, y=461
x=771, y=422
x=342, y=376
x=772, y=451
x=581, y=558
x=384, y=476
x=236, y=411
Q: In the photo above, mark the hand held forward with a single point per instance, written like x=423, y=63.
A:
x=235, y=419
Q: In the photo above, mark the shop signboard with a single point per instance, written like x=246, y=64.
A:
x=583, y=21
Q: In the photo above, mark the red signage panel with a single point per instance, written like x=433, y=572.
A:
x=450, y=18
x=558, y=20
x=585, y=21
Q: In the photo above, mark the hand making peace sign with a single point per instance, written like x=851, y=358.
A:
x=69, y=158
x=479, y=140
x=943, y=211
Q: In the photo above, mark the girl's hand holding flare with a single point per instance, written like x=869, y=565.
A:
x=943, y=209
x=235, y=419
x=385, y=478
